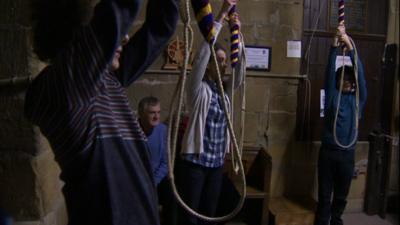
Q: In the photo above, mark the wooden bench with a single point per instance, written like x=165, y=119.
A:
x=257, y=166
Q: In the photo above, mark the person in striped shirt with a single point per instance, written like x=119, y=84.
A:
x=206, y=138
x=80, y=105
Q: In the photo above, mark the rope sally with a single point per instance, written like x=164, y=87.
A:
x=234, y=39
x=356, y=112
x=205, y=21
x=341, y=12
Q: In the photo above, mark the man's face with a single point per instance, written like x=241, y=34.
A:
x=117, y=54
x=151, y=115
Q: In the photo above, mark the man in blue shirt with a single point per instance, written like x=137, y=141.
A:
x=336, y=157
x=149, y=118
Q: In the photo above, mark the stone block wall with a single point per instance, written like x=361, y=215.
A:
x=29, y=183
x=271, y=102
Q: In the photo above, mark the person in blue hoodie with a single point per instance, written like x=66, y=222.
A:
x=149, y=110
x=336, y=156
x=79, y=102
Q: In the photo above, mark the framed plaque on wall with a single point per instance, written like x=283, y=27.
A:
x=258, y=58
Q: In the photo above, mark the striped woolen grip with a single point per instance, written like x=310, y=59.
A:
x=341, y=12
x=205, y=19
x=234, y=40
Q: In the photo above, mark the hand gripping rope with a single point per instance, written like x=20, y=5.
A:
x=356, y=112
x=205, y=20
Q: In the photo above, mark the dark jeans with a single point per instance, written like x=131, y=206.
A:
x=200, y=188
x=166, y=198
x=335, y=172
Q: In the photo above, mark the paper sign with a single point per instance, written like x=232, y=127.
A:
x=294, y=49
x=340, y=59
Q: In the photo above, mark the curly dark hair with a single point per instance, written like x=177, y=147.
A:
x=54, y=23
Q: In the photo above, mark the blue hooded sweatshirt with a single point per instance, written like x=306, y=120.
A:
x=346, y=121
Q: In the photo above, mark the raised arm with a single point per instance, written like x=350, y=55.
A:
x=360, y=68
x=149, y=41
x=200, y=63
x=111, y=21
x=202, y=56
x=60, y=96
x=362, y=85
x=76, y=73
x=330, y=75
x=344, y=38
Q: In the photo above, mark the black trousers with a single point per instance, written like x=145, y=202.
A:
x=200, y=188
x=169, y=215
x=335, y=172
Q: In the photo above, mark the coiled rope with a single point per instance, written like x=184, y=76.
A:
x=355, y=70
x=236, y=39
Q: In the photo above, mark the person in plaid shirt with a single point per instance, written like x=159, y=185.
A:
x=206, y=139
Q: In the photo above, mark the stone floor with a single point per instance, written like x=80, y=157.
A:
x=358, y=219
x=363, y=219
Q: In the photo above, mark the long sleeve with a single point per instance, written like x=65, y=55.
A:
x=157, y=145
x=361, y=81
x=60, y=97
x=162, y=169
x=330, y=77
x=149, y=41
x=200, y=65
x=77, y=72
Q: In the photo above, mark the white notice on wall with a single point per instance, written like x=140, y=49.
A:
x=294, y=49
x=340, y=60
x=322, y=103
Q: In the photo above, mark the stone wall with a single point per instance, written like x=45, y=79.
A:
x=29, y=184
x=271, y=100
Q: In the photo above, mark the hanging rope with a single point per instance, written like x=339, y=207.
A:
x=235, y=162
x=356, y=111
x=202, y=10
x=355, y=69
x=235, y=41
